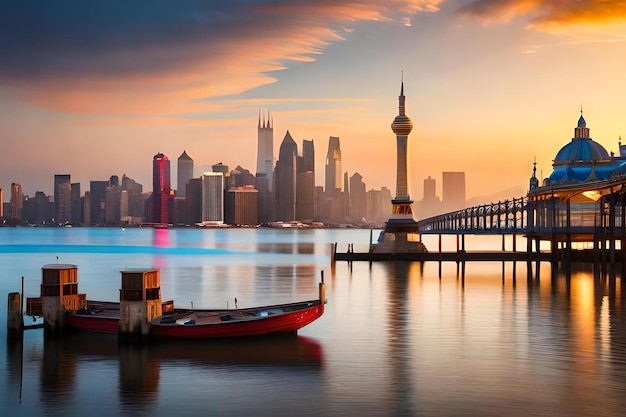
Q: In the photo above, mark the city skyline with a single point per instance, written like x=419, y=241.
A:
x=488, y=80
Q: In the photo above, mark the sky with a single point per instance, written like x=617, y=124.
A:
x=94, y=89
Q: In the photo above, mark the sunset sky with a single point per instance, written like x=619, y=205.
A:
x=95, y=89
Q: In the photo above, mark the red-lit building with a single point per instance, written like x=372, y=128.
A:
x=161, y=189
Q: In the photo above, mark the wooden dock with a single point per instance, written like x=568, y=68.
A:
x=460, y=256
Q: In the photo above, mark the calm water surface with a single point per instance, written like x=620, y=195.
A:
x=396, y=339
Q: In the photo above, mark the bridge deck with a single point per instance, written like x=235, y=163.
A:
x=460, y=256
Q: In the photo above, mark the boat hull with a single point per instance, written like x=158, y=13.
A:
x=86, y=322
x=285, y=322
x=259, y=321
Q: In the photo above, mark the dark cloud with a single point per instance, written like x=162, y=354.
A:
x=145, y=55
x=73, y=37
x=67, y=38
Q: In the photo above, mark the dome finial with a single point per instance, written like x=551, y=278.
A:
x=581, y=119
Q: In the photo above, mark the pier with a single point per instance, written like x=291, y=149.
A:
x=579, y=211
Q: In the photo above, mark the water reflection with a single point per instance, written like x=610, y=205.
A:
x=91, y=360
x=402, y=275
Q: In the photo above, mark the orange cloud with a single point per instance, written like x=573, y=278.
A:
x=549, y=14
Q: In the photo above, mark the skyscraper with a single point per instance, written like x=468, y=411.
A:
x=453, y=191
x=240, y=206
x=77, y=204
x=136, y=199
x=97, y=193
x=193, y=201
x=430, y=204
x=305, y=183
x=213, y=197
x=333, y=168
x=17, y=201
x=112, y=206
x=265, y=149
x=285, y=180
x=358, y=198
x=161, y=189
x=62, y=198
x=185, y=173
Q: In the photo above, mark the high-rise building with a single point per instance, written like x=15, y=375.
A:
x=38, y=210
x=333, y=168
x=112, y=207
x=430, y=204
x=305, y=183
x=77, y=204
x=213, y=198
x=285, y=180
x=240, y=206
x=1, y=203
x=332, y=208
x=185, y=173
x=358, y=199
x=161, y=188
x=378, y=202
x=453, y=191
x=124, y=217
x=17, y=201
x=62, y=198
x=265, y=149
x=87, y=207
x=97, y=193
x=136, y=199
x=240, y=177
x=193, y=201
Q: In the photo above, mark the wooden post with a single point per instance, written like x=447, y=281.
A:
x=15, y=321
x=568, y=250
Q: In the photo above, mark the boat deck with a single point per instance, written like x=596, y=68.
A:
x=185, y=316
x=103, y=309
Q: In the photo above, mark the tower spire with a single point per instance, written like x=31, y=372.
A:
x=401, y=100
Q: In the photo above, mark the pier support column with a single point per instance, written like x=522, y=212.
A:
x=59, y=293
x=140, y=302
x=15, y=320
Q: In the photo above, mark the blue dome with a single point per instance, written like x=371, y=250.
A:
x=579, y=150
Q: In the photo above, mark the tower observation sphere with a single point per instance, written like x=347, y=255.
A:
x=402, y=125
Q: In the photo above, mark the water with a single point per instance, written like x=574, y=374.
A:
x=396, y=339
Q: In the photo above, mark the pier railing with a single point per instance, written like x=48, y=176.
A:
x=508, y=217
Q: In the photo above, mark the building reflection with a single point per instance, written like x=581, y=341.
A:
x=160, y=239
x=401, y=277
x=140, y=367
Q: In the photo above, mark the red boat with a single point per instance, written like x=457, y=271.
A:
x=98, y=316
x=206, y=324
x=143, y=312
x=104, y=317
